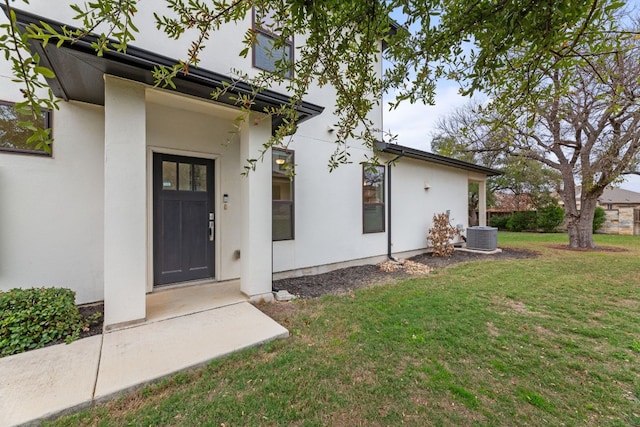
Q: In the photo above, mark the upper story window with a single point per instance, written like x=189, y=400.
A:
x=13, y=138
x=267, y=54
x=282, y=214
x=372, y=199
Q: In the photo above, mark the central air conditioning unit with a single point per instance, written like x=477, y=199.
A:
x=482, y=238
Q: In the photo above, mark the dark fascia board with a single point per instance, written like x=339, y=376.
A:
x=79, y=73
x=394, y=27
x=412, y=153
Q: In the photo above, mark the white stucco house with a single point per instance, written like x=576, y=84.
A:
x=143, y=187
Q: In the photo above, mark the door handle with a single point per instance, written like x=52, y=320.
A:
x=212, y=228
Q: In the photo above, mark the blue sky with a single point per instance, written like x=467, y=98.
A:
x=415, y=124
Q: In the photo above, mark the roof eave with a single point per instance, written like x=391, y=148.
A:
x=79, y=73
x=416, y=154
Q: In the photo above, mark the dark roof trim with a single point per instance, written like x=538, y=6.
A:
x=394, y=27
x=412, y=153
x=79, y=73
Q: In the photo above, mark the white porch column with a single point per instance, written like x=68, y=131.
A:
x=482, y=203
x=125, y=202
x=256, y=242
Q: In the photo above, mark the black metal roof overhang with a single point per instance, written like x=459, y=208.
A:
x=79, y=73
x=412, y=153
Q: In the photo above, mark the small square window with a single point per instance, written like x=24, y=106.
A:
x=13, y=138
x=265, y=55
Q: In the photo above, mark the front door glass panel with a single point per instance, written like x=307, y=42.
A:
x=199, y=177
x=169, y=178
x=184, y=177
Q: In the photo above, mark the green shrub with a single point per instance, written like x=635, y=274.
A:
x=32, y=318
x=599, y=218
x=521, y=221
x=550, y=218
x=500, y=222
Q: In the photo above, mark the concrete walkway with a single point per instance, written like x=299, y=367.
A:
x=54, y=380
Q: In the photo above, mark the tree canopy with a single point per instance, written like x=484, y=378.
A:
x=581, y=120
x=502, y=48
x=467, y=135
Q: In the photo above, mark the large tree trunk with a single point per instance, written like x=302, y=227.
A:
x=580, y=226
x=473, y=204
x=473, y=217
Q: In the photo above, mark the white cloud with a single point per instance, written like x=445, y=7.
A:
x=414, y=124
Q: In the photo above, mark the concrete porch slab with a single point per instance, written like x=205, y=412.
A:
x=180, y=301
x=48, y=381
x=138, y=355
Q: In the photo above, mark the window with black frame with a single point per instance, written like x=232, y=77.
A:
x=14, y=138
x=268, y=50
x=373, y=218
x=282, y=186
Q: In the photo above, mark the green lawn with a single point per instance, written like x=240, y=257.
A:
x=553, y=340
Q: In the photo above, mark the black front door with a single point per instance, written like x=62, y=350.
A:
x=183, y=219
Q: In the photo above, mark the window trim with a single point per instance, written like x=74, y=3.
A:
x=291, y=202
x=48, y=120
x=270, y=35
x=383, y=204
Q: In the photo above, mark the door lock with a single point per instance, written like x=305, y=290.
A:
x=212, y=228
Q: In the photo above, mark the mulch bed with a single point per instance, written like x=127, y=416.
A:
x=348, y=279
x=343, y=280
x=88, y=310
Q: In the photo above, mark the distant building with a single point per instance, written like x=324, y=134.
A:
x=623, y=211
x=622, y=208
